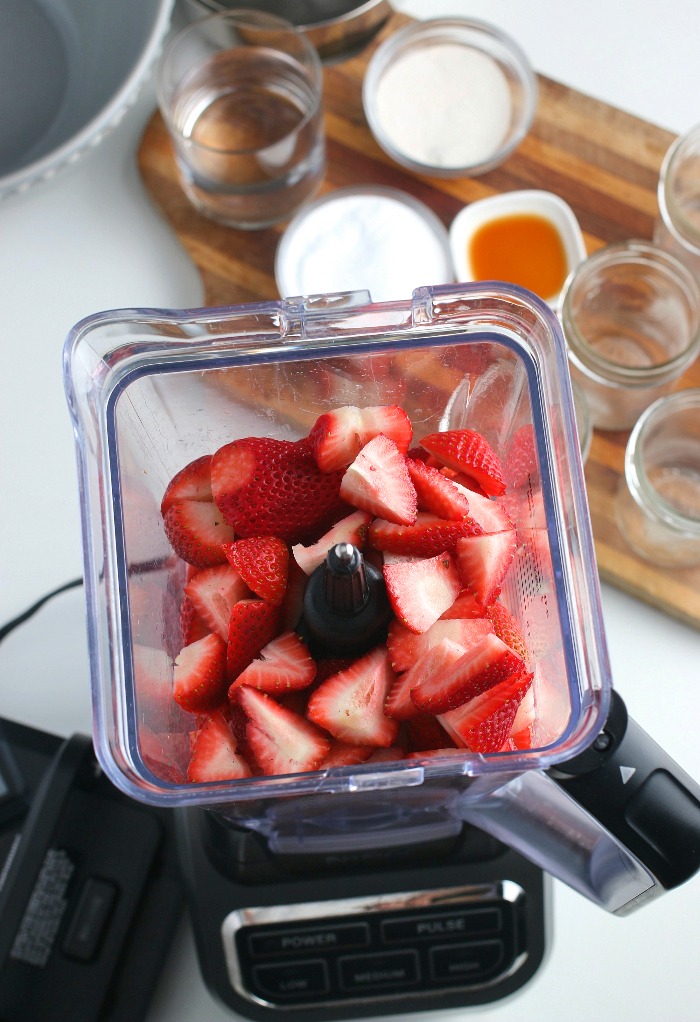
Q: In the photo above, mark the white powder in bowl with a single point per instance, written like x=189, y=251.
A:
x=445, y=105
x=379, y=241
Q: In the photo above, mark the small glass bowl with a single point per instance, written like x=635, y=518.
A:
x=631, y=318
x=658, y=500
x=403, y=121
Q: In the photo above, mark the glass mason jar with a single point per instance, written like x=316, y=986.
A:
x=658, y=499
x=631, y=317
x=678, y=228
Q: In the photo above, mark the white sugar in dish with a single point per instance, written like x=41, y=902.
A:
x=445, y=105
x=378, y=240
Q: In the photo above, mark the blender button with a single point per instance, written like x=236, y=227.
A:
x=321, y=938
x=90, y=918
x=368, y=972
x=291, y=980
x=446, y=924
x=473, y=962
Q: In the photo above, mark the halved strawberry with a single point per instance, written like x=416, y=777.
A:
x=283, y=665
x=490, y=514
x=483, y=562
x=350, y=705
x=405, y=646
x=192, y=627
x=378, y=481
x=268, y=487
x=193, y=482
x=506, y=628
x=421, y=590
x=429, y=535
x=196, y=531
x=252, y=624
x=263, y=564
x=338, y=436
x=352, y=529
x=283, y=742
x=467, y=451
x=213, y=592
x=399, y=704
x=435, y=492
x=199, y=682
x=215, y=754
x=483, y=723
x=481, y=667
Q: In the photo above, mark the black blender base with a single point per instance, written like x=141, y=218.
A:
x=456, y=923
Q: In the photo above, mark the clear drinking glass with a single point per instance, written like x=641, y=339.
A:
x=658, y=502
x=631, y=317
x=678, y=228
x=240, y=93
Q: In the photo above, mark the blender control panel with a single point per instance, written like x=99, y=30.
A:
x=402, y=945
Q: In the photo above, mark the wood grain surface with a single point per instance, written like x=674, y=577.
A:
x=602, y=161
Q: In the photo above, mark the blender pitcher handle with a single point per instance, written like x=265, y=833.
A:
x=620, y=823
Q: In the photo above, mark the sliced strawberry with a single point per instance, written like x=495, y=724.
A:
x=343, y=754
x=213, y=593
x=429, y=535
x=350, y=705
x=483, y=723
x=483, y=562
x=481, y=667
x=283, y=665
x=378, y=481
x=421, y=590
x=520, y=464
x=263, y=564
x=193, y=482
x=338, y=436
x=425, y=732
x=196, y=531
x=199, y=682
x=405, y=646
x=192, y=627
x=268, y=487
x=282, y=741
x=489, y=514
x=465, y=450
x=436, y=493
x=399, y=704
x=465, y=606
x=252, y=624
x=215, y=754
x=506, y=628
x=352, y=529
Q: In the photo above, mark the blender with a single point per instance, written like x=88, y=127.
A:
x=387, y=886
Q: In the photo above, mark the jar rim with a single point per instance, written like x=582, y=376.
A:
x=681, y=229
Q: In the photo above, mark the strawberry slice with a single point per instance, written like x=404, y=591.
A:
x=483, y=723
x=268, y=487
x=466, y=605
x=465, y=450
x=506, y=628
x=483, y=562
x=378, y=481
x=350, y=704
x=252, y=625
x=422, y=589
x=488, y=513
x=283, y=742
x=199, y=682
x=429, y=535
x=196, y=531
x=343, y=754
x=520, y=464
x=436, y=493
x=352, y=529
x=399, y=704
x=283, y=665
x=214, y=754
x=481, y=667
x=263, y=564
x=213, y=593
x=193, y=482
x=192, y=627
x=405, y=646
x=338, y=436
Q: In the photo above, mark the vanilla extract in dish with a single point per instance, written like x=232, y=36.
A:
x=524, y=249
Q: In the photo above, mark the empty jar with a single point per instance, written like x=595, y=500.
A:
x=658, y=500
x=631, y=316
x=678, y=228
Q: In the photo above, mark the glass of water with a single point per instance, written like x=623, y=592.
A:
x=240, y=93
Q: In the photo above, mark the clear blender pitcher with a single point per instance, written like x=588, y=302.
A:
x=151, y=390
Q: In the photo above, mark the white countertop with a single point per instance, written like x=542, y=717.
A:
x=90, y=240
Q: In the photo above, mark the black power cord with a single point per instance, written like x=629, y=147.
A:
x=15, y=622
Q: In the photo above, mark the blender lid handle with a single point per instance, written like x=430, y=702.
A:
x=640, y=795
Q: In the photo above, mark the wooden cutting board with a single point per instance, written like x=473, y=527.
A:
x=602, y=161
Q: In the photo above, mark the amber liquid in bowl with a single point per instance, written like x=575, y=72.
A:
x=523, y=249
